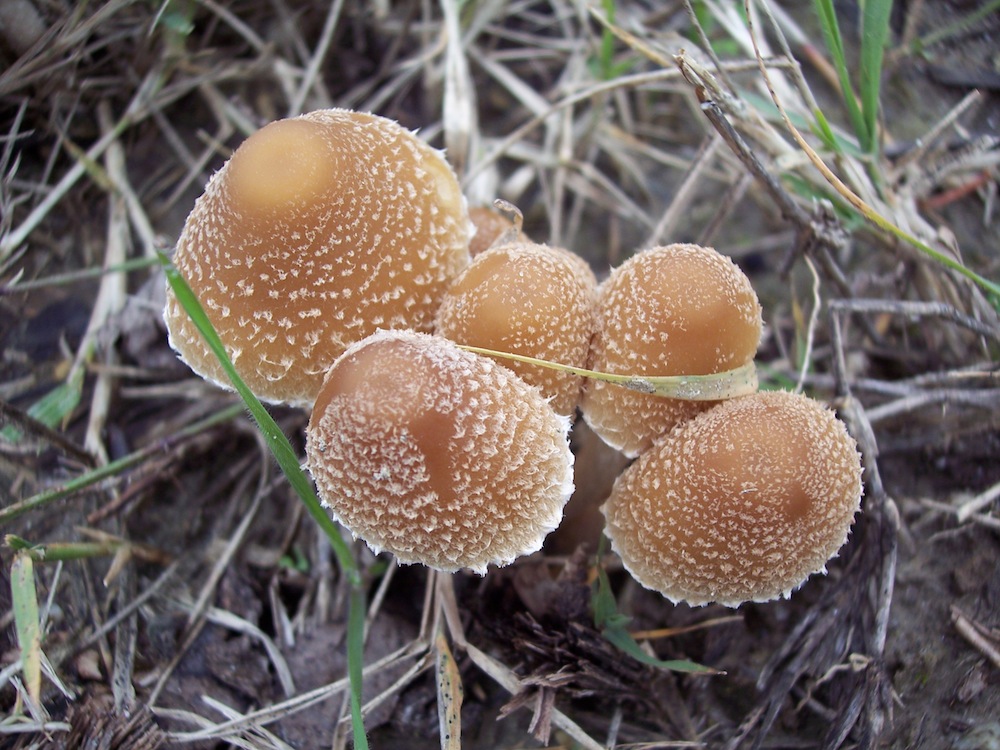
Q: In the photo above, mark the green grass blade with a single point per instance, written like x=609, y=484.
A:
x=355, y=661
x=63, y=551
x=25, y=605
x=822, y=129
x=612, y=626
x=282, y=450
x=874, y=35
x=827, y=15
x=284, y=454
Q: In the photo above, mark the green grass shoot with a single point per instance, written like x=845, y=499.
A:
x=863, y=103
x=612, y=625
x=112, y=469
x=52, y=408
x=26, y=623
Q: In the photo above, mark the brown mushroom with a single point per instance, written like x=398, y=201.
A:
x=673, y=310
x=527, y=299
x=318, y=231
x=438, y=455
x=490, y=226
x=742, y=503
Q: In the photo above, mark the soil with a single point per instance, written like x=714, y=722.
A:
x=214, y=595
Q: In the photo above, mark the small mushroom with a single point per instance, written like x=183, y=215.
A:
x=528, y=299
x=438, y=455
x=673, y=310
x=742, y=503
x=318, y=231
x=490, y=226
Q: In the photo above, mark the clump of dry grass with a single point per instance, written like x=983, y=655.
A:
x=610, y=134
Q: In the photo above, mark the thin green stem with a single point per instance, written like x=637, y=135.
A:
x=874, y=35
x=957, y=26
x=827, y=15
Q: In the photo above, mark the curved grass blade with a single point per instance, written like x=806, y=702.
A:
x=721, y=385
x=827, y=16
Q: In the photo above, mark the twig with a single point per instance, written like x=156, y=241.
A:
x=14, y=415
x=137, y=110
x=510, y=682
x=196, y=614
x=666, y=227
x=917, y=309
x=974, y=635
x=860, y=205
x=976, y=504
x=311, y=78
x=115, y=469
x=811, y=329
x=300, y=702
x=906, y=404
x=930, y=137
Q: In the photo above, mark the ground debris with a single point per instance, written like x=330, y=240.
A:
x=95, y=725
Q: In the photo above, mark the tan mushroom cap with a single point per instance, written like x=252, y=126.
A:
x=672, y=310
x=490, y=226
x=528, y=299
x=318, y=231
x=742, y=503
x=437, y=455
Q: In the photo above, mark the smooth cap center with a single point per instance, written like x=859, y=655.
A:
x=285, y=162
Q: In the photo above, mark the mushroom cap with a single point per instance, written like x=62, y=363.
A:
x=672, y=310
x=318, y=231
x=528, y=299
x=742, y=503
x=490, y=225
x=438, y=455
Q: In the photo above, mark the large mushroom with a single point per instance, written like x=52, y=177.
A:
x=742, y=503
x=438, y=455
x=318, y=231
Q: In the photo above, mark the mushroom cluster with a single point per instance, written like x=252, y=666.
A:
x=332, y=255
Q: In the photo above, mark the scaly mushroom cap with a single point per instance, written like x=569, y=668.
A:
x=318, y=231
x=673, y=310
x=742, y=503
x=527, y=299
x=437, y=455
